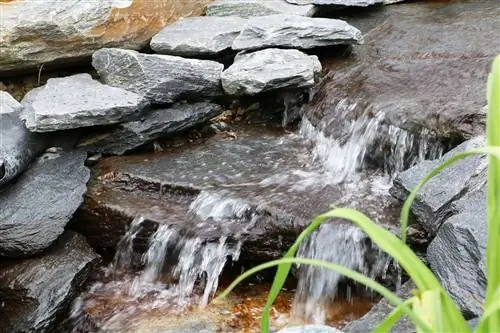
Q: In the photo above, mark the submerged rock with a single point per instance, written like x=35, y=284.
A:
x=436, y=201
x=198, y=36
x=55, y=32
x=35, y=209
x=18, y=146
x=78, y=101
x=270, y=69
x=249, y=8
x=154, y=124
x=36, y=293
x=457, y=255
x=160, y=78
x=293, y=31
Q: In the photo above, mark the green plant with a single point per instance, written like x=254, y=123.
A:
x=431, y=309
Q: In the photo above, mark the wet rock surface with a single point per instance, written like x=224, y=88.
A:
x=160, y=78
x=270, y=69
x=256, y=8
x=78, y=101
x=293, y=31
x=342, y=3
x=436, y=201
x=198, y=36
x=310, y=329
x=153, y=125
x=51, y=32
x=36, y=293
x=35, y=209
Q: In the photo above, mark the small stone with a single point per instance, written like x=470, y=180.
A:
x=198, y=36
x=8, y=104
x=270, y=69
x=160, y=78
x=37, y=292
x=346, y=3
x=35, y=209
x=249, y=8
x=292, y=31
x=154, y=125
x=78, y=101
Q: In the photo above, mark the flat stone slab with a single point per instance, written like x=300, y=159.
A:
x=37, y=292
x=50, y=191
x=78, y=101
x=154, y=125
x=293, y=31
x=270, y=69
x=198, y=36
x=249, y=8
x=343, y=3
x=160, y=78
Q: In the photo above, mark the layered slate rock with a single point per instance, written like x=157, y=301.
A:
x=310, y=329
x=55, y=32
x=292, y=31
x=160, y=78
x=436, y=201
x=35, y=209
x=342, y=3
x=205, y=36
x=78, y=101
x=18, y=146
x=270, y=69
x=155, y=124
x=379, y=312
x=457, y=255
x=36, y=293
x=249, y=8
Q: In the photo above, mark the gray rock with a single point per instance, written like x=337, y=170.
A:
x=436, y=200
x=379, y=312
x=473, y=323
x=457, y=255
x=310, y=329
x=36, y=293
x=249, y=8
x=347, y=3
x=18, y=146
x=270, y=69
x=36, y=208
x=78, y=101
x=155, y=124
x=293, y=31
x=160, y=78
x=198, y=36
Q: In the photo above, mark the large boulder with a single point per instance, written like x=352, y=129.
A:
x=35, y=209
x=160, y=78
x=249, y=8
x=155, y=124
x=293, y=31
x=270, y=69
x=36, y=293
x=204, y=36
x=436, y=201
x=36, y=33
x=18, y=146
x=78, y=101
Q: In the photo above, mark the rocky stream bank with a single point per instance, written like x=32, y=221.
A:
x=194, y=148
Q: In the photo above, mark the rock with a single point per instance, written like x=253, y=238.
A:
x=160, y=78
x=310, y=329
x=60, y=33
x=457, y=255
x=270, y=69
x=473, y=323
x=18, y=146
x=155, y=124
x=36, y=293
x=78, y=101
x=249, y=8
x=436, y=201
x=379, y=312
x=205, y=36
x=292, y=31
x=50, y=191
x=341, y=3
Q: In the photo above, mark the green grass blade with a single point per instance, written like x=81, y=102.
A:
x=390, y=296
